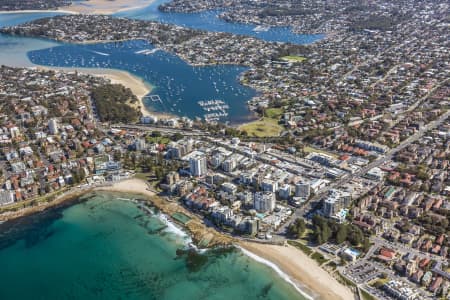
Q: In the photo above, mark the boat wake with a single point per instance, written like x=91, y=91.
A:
x=101, y=53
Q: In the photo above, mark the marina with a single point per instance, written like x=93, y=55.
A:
x=177, y=85
x=216, y=109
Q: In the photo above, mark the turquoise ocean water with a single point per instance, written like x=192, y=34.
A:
x=109, y=249
x=105, y=248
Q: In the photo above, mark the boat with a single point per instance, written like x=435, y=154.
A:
x=261, y=28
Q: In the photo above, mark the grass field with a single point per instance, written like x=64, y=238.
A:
x=158, y=139
x=301, y=246
x=265, y=127
x=308, y=149
x=366, y=296
x=319, y=258
x=294, y=58
x=273, y=113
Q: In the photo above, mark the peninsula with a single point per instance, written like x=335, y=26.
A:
x=105, y=7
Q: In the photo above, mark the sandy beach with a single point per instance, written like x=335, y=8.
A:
x=106, y=7
x=99, y=7
x=301, y=269
x=132, y=185
x=137, y=85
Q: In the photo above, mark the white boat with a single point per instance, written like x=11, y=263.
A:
x=261, y=28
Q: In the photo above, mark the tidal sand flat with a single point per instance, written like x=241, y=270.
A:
x=107, y=248
x=105, y=6
x=14, y=49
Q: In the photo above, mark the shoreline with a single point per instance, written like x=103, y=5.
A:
x=37, y=11
x=292, y=265
x=100, y=7
x=139, y=87
x=65, y=199
x=301, y=269
x=195, y=227
x=300, y=288
x=107, y=7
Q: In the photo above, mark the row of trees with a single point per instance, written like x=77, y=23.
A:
x=325, y=230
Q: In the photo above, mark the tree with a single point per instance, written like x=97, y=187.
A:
x=75, y=178
x=112, y=103
x=296, y=228
x=366, y=244
x=341, y=235
x=326, y=232
x=177, y=136
x=156, y=133
x=356, y=236
x=318, y=235
x=117, y=155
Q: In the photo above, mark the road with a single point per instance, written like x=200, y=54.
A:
x=417, y=103
x=307, y=207
x=166, y=130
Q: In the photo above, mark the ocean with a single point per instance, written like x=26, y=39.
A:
x=106, y=248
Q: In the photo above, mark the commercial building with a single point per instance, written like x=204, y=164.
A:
x=6, y=197
x=269, y=185
x=284, y=191
x=302, y=190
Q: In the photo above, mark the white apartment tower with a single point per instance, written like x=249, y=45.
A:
x=264, y=201
x=53, y=126
x=198, y=165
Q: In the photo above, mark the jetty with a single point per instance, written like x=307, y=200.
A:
x=154, y=98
